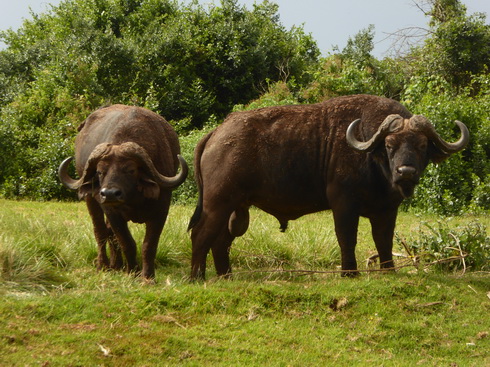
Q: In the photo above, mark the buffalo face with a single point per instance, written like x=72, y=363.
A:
x=404, y=147
x=119, y=180
x=120, y=174
x=407, y=158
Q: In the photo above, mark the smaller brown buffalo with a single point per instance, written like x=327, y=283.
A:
x=357, y=155
x=127, y=159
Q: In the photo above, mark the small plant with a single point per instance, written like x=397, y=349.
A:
x=459, y=248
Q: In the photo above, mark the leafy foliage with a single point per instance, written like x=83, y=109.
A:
x=459, y=46
x=184, y=61
x=438, y=242
x=355, y=71
x=194, y=64
x=462, y=182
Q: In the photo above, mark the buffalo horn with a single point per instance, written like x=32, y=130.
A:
x=163, y=181
x=178, y=179
x=89, y=169
x=422, y=124
x=65, y=178
x=391, y=124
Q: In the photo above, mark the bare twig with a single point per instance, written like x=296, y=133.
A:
x=408, y=263
x=430, y=304
x=460, y=252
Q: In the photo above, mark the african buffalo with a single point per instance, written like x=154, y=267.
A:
x=357, y=155
x=127, y=159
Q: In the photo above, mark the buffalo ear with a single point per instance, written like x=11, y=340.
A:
x=436, y=155
x=88, y=188
x=379, y=154
x=150, y=188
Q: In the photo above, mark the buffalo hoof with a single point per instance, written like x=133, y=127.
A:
x=350, y=273
x=226, y=276
x=148, y=281
x=197, y=278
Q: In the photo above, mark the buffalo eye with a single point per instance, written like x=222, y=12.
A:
x=131, y=171
x=390, y=149
x=131, y=168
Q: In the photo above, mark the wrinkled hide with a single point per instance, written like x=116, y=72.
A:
x=356, y=155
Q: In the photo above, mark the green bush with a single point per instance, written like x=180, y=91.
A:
x=356, y=71
x=186, y=62
x=461, y=182
x=277, y=94
x=439, y=242
x=187, y=192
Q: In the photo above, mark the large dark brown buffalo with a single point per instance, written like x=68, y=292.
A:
x=127, y=159
x=356, y=155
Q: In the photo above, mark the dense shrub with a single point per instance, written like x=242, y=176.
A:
x=194, y=64
x=436, y=243
x=461, y=183
x=185, y=62
x=355, y=71
x=187, y=192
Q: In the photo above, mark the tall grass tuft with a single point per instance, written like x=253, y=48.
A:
x=39, y=242
x=26, y=266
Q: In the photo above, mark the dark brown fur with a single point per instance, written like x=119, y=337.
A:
x=294, y=160
x=118, y=187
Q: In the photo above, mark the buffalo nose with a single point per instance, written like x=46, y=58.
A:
x=406, y=171
x=111, y=194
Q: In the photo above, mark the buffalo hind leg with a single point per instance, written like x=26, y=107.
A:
x=221, y=253
x=211, y=232
x=237, y=226
x=202, y=237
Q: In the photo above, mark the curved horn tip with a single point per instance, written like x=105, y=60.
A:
x=65, y=162
x=175, y=181
x=451, y=148
x=462, y=126
x=465, y=135
x=352, y=140
x=183, y=162
x=65, y=179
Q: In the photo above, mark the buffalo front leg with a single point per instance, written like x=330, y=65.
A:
x=346, y=225
x=101, y=231
x=150, y=246
x=116, y=259
x=125, y=240
x=383, y=230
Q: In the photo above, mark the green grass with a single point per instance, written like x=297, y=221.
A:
x=57, y=310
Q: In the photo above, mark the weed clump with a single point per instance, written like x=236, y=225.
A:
x=440, y=244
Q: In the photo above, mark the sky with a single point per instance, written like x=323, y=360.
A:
x=330, y=22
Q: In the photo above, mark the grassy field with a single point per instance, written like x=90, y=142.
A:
x=57, y=310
